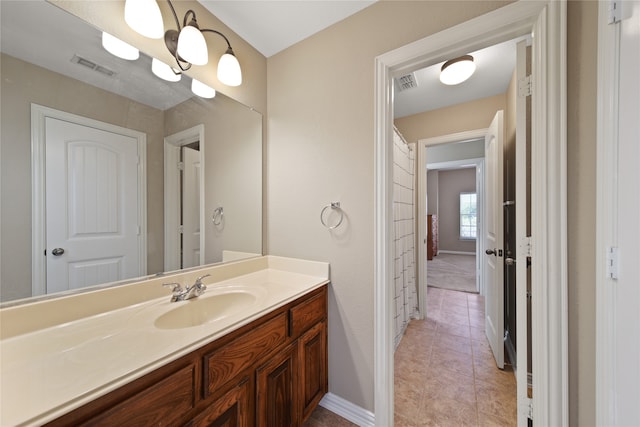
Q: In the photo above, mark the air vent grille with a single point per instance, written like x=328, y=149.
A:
x=92, y=65
x=406, y=82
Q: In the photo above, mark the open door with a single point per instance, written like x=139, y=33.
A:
x=523, y=227
x=493, y=237
x=190, y=207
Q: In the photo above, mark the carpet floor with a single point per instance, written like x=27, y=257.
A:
x=452, y=271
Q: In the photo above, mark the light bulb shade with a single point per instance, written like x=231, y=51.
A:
x=164, y=71
x=457, y=70
x=229, y=71
x=192, y=46
x=144, y=17
x=117, y=47
x=202, y=89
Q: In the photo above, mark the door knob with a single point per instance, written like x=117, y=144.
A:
x=491, y=252
x=57, y=252
x=510, y=261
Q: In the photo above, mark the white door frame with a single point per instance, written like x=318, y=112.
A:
x=547, y=20
x=172, y=144
x=39, y=114
x=608, y=335
x=422, y=204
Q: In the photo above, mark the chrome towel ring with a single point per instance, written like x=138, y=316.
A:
x=334, y=206
x=218, y=214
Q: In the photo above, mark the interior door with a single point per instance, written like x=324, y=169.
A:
x=190, y=207
x=493, y=236
x=92, y=206
x=523, y=192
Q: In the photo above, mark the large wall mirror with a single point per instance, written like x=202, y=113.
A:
x=97, y=150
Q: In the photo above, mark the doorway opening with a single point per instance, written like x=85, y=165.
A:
x=549, y=281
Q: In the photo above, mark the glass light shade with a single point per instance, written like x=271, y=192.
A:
x=202, y=89
x=117, y=47
x=164, y=71
x=144, y=17
x=457, y=70
x=192, y=46
x=229, y=71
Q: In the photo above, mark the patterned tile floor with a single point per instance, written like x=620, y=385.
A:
x=445, y=374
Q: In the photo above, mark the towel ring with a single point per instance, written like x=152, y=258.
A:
x=218, y=214
x=333, y=205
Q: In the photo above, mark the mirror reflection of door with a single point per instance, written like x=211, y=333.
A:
x=190, y=205
x=91, y=206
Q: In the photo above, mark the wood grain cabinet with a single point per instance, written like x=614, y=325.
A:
x=271, y=372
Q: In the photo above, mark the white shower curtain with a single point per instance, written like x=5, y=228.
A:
x=406, y=301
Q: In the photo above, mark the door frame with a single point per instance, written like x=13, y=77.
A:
x=547, y=20
x=172, y=189
x=423, y=162
x=39, y=114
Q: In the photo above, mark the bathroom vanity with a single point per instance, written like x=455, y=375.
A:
x=252, y=350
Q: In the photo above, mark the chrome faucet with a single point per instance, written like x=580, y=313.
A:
x=193, y=291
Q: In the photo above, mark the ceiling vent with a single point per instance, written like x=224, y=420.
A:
x=406, y=82
x=92, y=65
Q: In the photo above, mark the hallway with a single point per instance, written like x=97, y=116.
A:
x=445, y=374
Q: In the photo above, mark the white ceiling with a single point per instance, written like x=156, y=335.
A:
x=28, y=29
x=271, y=26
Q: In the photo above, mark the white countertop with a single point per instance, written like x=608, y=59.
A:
x=48, y=372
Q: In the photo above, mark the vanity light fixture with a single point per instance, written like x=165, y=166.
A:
x=457, y=70
x=144, y=17
x=187, y=44
x=202, y=89
x=165, y=72
x=117, y=47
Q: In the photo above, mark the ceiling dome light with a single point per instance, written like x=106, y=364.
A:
x=202, y=89
x=117, y=47
x=229, y=71
x=191, y=45
x=144, y=17
x=456, y=71
x=164, y=71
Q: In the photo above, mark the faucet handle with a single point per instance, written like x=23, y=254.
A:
x=199, y=281
x=175, y=287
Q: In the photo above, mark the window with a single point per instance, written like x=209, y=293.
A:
x=468, y=216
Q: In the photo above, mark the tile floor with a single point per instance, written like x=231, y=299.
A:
x=445, y=374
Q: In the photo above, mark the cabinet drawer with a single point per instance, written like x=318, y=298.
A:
x=308, y=313
x=224, y=364
x=161, y=404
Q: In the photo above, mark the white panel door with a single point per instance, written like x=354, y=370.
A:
x=92, y=206
x=494, y=296
x=190, y=207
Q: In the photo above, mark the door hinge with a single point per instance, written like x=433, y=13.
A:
x=138, y=230
x=524, y=86
x=612, y=263
x=617, y=11
x=180, y=166
x=180, y=229
x=525, y=246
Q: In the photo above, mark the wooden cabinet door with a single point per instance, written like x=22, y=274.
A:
x=230, y=410
x=277, y=385
x=312, y=348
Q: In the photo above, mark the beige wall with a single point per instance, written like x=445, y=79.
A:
x=456, y=118
x=321, y=149
x=432, y=192
x=23, y=84
x=581, y=183
x=450, y=184
x=233, y=170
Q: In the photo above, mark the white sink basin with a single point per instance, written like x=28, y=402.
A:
x=208, y=308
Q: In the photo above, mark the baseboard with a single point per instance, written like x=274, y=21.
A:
x=442, y=251
x=348, y=410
